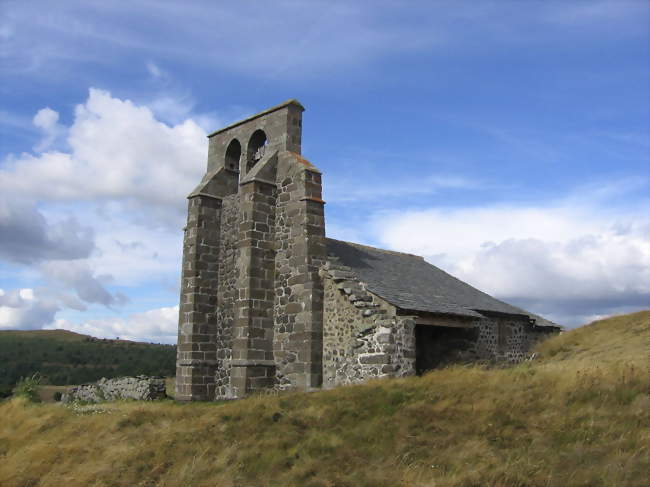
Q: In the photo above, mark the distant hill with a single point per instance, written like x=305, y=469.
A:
x=578, y=415
x=53, y=334
x=63, y=357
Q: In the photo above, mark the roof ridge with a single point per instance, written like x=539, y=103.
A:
x=394, y=252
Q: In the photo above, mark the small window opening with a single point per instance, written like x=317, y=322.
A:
x=256, y=148
x=233, y=154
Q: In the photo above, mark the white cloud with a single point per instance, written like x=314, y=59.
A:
x=78, y=275
x=171, y=108
x=174, y=108
x=47, y=120
x=564, y=261
x=125, y=176
x=594, y=266
x=21, y=309
x=26, y=294
x=26, y=309
x=27, y=236
x=157, y=325
x=118, y=151
x=133, y=252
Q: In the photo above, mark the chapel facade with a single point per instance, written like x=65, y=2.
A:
x=268, y=302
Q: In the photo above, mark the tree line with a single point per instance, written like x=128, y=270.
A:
x=61, y=361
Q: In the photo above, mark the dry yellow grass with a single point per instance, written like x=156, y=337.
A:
x=578, y=416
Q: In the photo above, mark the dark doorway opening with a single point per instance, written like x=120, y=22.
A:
x=437, y=346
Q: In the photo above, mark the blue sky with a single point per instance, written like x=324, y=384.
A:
x=506, y=141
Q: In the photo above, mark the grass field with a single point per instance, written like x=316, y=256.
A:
x=577, y=416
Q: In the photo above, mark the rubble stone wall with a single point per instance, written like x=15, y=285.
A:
x=226, y=293
x=536, y=334
x=505, y=339
x=140, y=388
x=404, y=353
x=300, y=244
x=362, y=336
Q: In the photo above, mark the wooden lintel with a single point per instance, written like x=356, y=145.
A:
x=444, y=321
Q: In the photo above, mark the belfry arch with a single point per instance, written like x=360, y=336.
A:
x=256, y=147
x=233, y=155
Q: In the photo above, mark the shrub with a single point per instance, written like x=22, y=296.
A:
x=27, y=387
x=57, y=396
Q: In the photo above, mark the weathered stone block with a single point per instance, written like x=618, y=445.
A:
x=374, y=358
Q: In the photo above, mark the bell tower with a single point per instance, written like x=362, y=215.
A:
x=251, y=306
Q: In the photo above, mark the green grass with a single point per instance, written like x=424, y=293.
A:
x=579, y=416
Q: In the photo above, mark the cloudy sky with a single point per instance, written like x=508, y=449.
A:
x=506, y=141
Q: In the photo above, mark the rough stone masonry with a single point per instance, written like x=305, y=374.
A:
x=140, y=388
x=267, y=302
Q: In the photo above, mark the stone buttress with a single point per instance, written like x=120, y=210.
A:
x=251, y=308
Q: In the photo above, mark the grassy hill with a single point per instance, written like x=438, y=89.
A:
x=63, y=357
x=578, y=416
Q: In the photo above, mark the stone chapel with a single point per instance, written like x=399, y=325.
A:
x=268, y=302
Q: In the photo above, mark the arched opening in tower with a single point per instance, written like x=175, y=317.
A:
x=233, y=154
x=256, y=147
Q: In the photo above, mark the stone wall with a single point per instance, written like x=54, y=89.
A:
x=140, y=388
x=363, y=338
x=226, y=294
x=252, y=366
x=196, y=355
x=282, y=126
x=536, y=334
x=504, y=338
x=404, y=354
x=251, y=300
x=300, y=254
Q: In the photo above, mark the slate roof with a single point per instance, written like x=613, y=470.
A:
x=412, y=284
